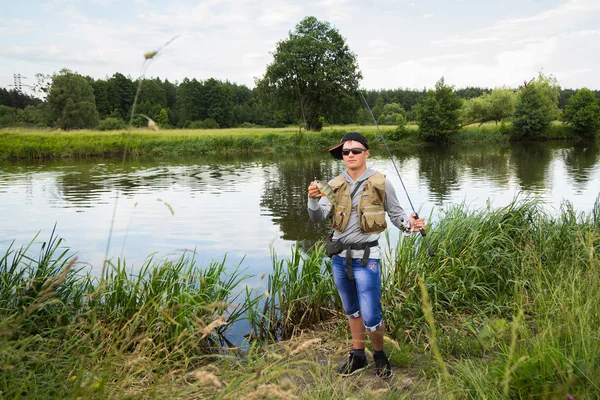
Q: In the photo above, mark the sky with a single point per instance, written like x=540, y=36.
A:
x=398, y=43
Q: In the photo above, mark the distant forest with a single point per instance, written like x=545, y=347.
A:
x=205, y=104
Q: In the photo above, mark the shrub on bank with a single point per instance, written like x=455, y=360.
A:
x=111, y=124
x=583, y=113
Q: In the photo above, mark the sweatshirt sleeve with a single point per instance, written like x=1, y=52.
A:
x=396, y=213
x=319, y=209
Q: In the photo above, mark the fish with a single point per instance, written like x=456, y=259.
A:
x=327, y=191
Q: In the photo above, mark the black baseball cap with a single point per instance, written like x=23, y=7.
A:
x=336, y=151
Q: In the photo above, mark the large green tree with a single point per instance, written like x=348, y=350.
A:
x=188, y=101
x=307, y=79
x=494, y=106
x=121, y=92
x=536, y=106
x=101, y=94
x=439, y=113
x=217, y=101
x=71, y=100
x=152, y=98
x=583, y=113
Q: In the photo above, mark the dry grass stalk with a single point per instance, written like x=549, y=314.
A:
x=305, y=345
x=206, y=378
x=213, y=325
x=271, y=391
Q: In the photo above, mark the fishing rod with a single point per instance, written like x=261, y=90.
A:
x=421, y=230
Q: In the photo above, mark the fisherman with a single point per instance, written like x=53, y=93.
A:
x=361, y=197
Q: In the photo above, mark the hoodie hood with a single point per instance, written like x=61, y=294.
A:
x=365, y=175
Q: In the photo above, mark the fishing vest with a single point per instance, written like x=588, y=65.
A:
x=371, y=211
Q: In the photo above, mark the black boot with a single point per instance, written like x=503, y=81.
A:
x=383, y=369
x=353, y=365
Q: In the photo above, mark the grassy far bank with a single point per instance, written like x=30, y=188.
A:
x=19, y=144
x=508, y=308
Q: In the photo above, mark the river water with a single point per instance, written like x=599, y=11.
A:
x=246, y=206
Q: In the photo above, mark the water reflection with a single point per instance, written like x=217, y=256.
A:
x=530, y=162
x=440, y=168
x=580, y=161
x=285, y=196
x=243, y=205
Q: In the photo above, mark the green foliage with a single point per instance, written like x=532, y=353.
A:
x=110, y=124
x=17, y=99
x=208, y=123
x=71, y=100
x=392, y=114
x=301, y=293
x=211, y=99
x=103, y=104
x=152, y=99
x=583, y=113
x=536, y=107
x=471, y=92
x=474, y=110
x=511, y=303
x=494, y=106
x=163, y=118
x=363, y=117
x=407, y=98
x=6, y=115
x=306, y=79
x=438, y=116
x=121, y=92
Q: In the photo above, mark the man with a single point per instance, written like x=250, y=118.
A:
x=363, y=195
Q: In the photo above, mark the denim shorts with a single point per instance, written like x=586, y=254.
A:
x=363, y=295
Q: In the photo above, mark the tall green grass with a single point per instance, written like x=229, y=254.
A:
x=508, y=308
x=513, y=291
x=16, y=144
x=300, y=294
x=63, y=332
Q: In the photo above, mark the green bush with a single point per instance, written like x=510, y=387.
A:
x=536, y=107
x=111, y=124
x=583, y=113
x=439, y=113
x=210, y=123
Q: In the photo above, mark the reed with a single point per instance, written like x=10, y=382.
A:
x=513, y=291
x=78, y=332
x=300, y=293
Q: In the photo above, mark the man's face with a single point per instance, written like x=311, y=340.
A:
x=354, y=161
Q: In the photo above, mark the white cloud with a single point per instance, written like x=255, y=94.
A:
x=15, y=26
x=458, y=41
x=232, y=39
x=279, y=14
x=379, y=46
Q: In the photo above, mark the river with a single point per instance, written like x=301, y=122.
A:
x=246, y=206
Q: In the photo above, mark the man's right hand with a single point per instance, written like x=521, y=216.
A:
x=313, y=191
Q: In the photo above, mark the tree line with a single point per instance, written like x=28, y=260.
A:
x=313, y=80
x=214, y=104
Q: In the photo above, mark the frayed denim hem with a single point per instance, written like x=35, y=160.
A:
x=374, y=328
x=354, y=315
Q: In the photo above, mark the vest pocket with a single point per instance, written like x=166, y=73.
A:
x=337, y=221
x=373, y=219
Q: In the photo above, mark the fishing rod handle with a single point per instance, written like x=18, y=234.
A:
x=424, y=235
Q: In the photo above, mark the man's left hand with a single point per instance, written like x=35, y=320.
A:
x=416, y=224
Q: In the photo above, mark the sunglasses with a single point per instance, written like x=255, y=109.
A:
x=356, y=150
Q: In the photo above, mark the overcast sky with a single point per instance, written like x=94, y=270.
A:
x=399, y=43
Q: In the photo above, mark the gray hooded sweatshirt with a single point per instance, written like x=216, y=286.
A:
x=319, y=209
